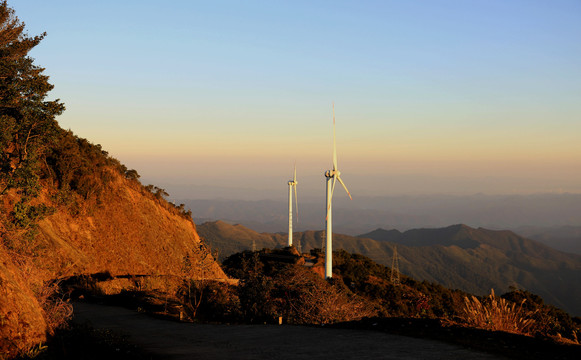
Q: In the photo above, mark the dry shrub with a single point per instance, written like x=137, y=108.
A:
x=498, y=314
x=270, y=288
x=305, y=298
x=57, y=311
x=208, y=300
x=191, y=295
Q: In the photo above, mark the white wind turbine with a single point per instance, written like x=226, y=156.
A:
x=292, y=185
x=333, y=175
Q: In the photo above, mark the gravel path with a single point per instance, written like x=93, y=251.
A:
x=173, y=340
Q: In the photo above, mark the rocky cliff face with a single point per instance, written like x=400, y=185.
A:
x=129, y=231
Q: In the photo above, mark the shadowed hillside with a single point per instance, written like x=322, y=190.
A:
x=476, y=259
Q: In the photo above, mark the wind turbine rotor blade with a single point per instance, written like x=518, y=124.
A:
x=334, y=142
x=295, y=175
x=344, y=187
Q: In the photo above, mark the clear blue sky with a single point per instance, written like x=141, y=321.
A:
x=430, y=96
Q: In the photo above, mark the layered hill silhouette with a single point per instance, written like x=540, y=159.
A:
x=458, y=256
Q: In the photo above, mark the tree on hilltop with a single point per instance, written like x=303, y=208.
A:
x=27, y=120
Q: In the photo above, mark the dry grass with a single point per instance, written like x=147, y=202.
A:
x=57, y=310
x=497, y=314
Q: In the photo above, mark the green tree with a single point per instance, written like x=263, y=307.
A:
x=27, y=119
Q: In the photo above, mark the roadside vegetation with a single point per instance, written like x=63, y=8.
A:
x=275, y=286
x=366, y=290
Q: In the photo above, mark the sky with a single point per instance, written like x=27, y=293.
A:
x=221, y=98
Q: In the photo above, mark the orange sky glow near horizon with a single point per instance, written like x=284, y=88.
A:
x=439, y=97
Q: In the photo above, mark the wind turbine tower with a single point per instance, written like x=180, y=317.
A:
x=292, y=185
x=332, y=177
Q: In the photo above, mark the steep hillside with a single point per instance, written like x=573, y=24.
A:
x=130, y=232
x=83, y=214
x=458, y=256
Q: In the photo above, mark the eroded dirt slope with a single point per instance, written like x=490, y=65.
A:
x=129, y=231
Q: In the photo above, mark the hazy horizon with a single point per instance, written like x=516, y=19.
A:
x=313, y=192
x=443, y=97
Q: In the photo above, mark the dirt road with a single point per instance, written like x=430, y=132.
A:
x=173, y=340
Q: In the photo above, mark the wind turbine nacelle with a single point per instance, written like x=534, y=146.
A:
x=331, y=173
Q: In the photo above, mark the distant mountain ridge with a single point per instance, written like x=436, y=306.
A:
x=553, y=219
x=458, y=235
x=402, y=212
x=565, y=238
x=457, y=256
